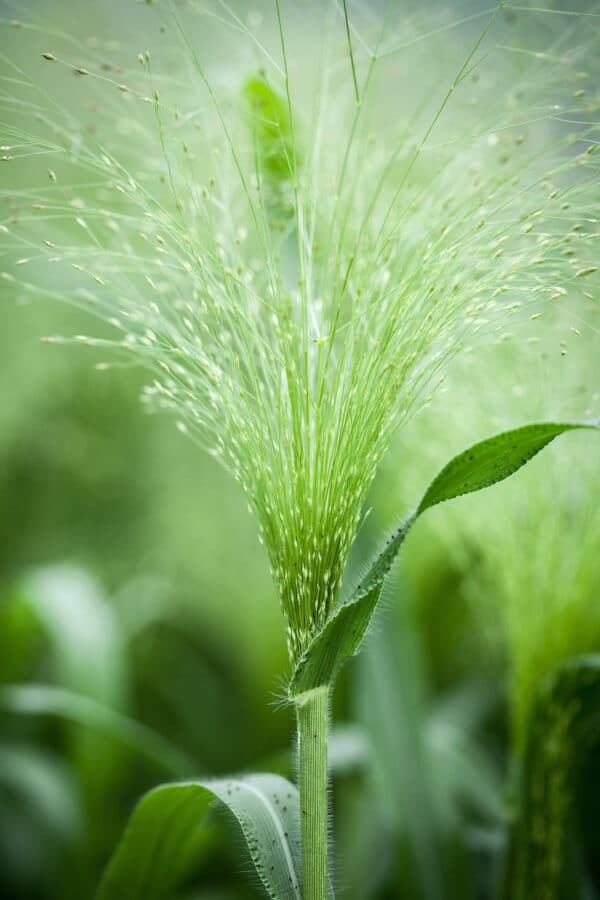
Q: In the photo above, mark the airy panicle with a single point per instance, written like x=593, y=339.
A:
x=294, y=247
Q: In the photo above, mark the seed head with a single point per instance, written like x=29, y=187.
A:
x=294, y=257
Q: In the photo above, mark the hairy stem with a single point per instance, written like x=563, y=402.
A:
x=312, y=711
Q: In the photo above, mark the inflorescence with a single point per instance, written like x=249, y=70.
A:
x=294, y=256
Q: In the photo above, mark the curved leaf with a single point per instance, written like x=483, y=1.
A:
x=83, y=632
x=47, y=700
x=44, y=787
x=163, y=838
x=564, y=726
x=480, y=466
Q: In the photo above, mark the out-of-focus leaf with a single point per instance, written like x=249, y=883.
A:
x=466, y=704
x=463, y=770
x=278, y=157
x=348, y=749
x=42, y=700
x=44, y=786
x=164, y=836
x=564, y=726
x=424, y=763
x=84, y=633
x=480, y=466
x=20, y=637
x=272, y=128
x=215, y=894
x=177, y=660
x=389, y=691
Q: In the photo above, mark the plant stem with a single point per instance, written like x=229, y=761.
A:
x=312, y=711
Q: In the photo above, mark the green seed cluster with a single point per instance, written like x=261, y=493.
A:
x=291, y=339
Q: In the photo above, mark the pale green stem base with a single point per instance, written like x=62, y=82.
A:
x=312, y=711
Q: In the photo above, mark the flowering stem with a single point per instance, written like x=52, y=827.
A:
x=312, y=711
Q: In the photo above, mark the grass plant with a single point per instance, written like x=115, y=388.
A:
x=294, y=256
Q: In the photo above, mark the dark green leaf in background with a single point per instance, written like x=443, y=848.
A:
x=563, y=728
x=48, y=700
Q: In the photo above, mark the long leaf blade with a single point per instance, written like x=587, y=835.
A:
x=482, y=465
x=49, y=700
x=163, y=838
x=83, y=632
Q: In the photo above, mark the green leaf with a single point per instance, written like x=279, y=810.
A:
x=465, y=770
x=463, y=767
x=42, y=700
x=480, y=466
x=83, y=631
x=390, y=700
x=493, y=460
x=563, y=728
x=163, y=838
x=348, y=749
x=45, y=789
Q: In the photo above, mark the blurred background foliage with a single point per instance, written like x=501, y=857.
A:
x=140, y=638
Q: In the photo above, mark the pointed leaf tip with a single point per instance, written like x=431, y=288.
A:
x=492, y=460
